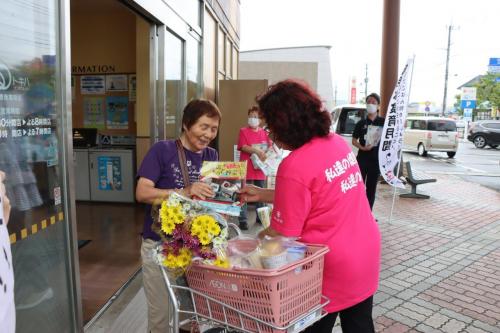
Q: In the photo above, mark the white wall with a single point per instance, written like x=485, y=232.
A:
x=309, y=54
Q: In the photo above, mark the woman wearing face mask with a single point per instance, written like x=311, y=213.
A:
x=252, y=139
x=367, y=152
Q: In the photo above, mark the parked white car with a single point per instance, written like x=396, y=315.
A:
x=424, y=134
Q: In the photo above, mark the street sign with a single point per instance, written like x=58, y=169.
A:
x=469, y=93
x=494, y=62
x=494, y=65
x=465, y=104
x=467, y=114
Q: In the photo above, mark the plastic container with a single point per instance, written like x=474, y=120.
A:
x=274, y=261
x=274, y=296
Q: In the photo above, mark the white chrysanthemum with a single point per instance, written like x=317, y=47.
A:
x=223, y=233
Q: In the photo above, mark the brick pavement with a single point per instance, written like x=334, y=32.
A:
x=440, y=259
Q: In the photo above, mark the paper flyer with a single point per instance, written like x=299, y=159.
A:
x=116, y=82
x=117, y=112
x=226, y=179
x=93, y=112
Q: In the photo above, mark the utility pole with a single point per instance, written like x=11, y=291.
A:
x=446, y=70
x=366, y=81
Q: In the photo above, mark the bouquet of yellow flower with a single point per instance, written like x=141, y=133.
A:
x=189, y=232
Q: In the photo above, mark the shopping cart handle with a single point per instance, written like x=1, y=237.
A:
x=235, y=227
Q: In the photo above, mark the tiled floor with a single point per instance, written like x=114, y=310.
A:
x=113, y=255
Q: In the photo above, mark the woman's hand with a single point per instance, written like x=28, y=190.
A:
x=5, y=200
x=251, y=193
x=200, y=190
x=367, y=148
x=261, y=154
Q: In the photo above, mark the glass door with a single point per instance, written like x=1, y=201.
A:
x=171, y=83
x=33, y=154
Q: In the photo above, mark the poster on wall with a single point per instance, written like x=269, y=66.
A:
x=92, y=84
x=73, y=88
x=132, y=87
x=110, y=173
x=116, y=82
x=93, y=112
x=117, y=112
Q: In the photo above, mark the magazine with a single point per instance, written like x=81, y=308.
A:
x=373, y=135
x=226, y=180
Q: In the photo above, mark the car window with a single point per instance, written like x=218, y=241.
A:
x=348, y=120
x=442, y=125
x=492, y=125
x=418, y=124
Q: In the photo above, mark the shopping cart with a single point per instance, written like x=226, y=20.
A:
x=286, y=300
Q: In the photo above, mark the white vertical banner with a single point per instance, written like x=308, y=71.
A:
x=391, y=142
x=7, y=307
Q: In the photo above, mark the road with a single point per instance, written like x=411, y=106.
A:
x=475, y=165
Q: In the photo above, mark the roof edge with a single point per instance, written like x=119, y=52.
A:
x=288, y=47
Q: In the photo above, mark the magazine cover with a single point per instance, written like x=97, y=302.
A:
x=373, y=135
x=226, y=179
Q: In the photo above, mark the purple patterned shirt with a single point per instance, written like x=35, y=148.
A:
x=161, y=166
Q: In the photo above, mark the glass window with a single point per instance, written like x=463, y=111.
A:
x=221, y=53
x=442, y=125
x=209, y=56
x=193, y=68
x=229, y=53
x=173, y=84
x=235, y=63
x=31, y=146
x=492, y=125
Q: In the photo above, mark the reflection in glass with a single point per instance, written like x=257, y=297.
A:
x=229, y=53
x=30, y=132
x=193, y=71
x=173, y=84
x=221, y=54
x=209, y=56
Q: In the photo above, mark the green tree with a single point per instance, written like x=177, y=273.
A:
x=489, y=90
x=458, y=104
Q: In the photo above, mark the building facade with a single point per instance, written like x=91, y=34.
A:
x=124, y=69
x=308, y=63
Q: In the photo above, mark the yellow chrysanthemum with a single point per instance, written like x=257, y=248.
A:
x=204, y=238
x=170, y=261
x=197, y=222
x=167, y=227
x=221, y=262
x=213, y=229
x=184, y=258
x=169, y=216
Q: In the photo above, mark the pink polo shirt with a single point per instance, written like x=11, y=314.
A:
x=258, y=138
x=320, y=196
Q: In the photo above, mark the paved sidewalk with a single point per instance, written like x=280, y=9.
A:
x=440, y=259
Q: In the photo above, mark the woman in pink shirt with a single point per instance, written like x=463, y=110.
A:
x=252, y=140
x=320, y=197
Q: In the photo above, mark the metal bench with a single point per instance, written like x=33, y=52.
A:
x=415, y=178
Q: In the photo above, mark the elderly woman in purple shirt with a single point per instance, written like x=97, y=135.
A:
x=161, y=174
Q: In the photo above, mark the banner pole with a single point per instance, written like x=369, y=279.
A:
x=401, y=153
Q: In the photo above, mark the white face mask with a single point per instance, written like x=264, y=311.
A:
x=253, y=122
x=371, y=108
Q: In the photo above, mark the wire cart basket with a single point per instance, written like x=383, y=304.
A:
x=285, y=300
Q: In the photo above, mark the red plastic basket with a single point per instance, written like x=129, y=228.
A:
x=276, y=297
